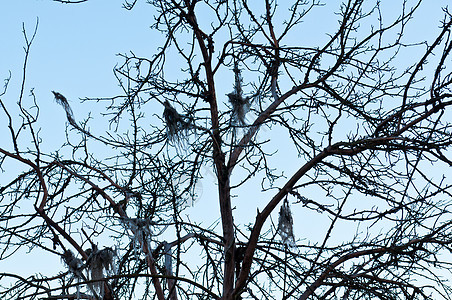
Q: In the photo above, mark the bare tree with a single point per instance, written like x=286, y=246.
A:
x=365, y=118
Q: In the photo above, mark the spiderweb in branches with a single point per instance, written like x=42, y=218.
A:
x=75, y=267
x=240, y=105
x=73, y=263
x=285, y=224
x=98, y=262
x=177, y=125
x=61, y=100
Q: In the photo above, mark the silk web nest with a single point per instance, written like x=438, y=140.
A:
x=177, y=125
x=61, y=100
x=285, y=225
x=240, y=104
x=100, y=261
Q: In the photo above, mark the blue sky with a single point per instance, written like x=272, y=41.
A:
x=75, y=51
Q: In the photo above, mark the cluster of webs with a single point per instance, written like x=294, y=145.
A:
x=98, y=261
x=178, y=126
x=101, y=263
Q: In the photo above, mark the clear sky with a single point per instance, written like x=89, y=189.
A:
x=75, y=51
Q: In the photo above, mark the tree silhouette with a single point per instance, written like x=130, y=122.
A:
x=249, y=92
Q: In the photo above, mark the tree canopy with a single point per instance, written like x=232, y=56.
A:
x=324, y=126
